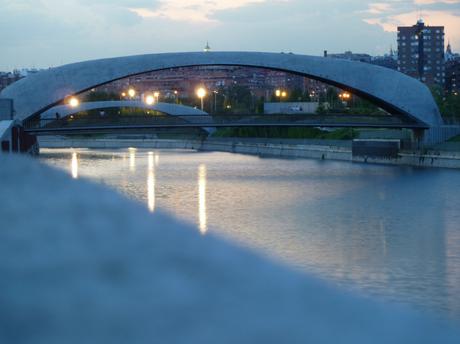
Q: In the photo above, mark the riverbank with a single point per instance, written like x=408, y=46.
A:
x=310, y=149
x=86, y=265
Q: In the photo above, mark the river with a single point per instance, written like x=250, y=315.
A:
x=391, y=233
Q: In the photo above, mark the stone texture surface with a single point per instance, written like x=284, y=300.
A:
x=394, y=90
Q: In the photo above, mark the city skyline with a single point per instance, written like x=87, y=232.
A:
x=47, y=34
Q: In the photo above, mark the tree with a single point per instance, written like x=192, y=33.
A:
x=449, y=104
x=101, y=96
x=239, y=98
x=297, y=95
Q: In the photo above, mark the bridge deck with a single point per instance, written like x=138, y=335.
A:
x=82, y=124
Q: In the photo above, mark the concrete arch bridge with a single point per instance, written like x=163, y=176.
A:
x=398, y=94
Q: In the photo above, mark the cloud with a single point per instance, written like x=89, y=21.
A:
x=396, y=13
x=52, y=32
x=429, y=2
x=192, y=10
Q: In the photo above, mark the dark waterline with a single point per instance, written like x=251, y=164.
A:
x=391, y=232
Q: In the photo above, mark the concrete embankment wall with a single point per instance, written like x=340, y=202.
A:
x=299, y=149
x=312, y=149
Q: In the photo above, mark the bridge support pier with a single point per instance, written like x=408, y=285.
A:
x=419, y=135
x=434, y=135
x=13, y=139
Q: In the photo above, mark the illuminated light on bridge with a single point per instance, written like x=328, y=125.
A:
x=74, y=102
x=150, y=100
x=131, y=92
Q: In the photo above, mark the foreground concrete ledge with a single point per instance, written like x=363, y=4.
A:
x=81, y=264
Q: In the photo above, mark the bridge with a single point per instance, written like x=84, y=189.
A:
x=398, y=94
x=83, y=125
x=403, y=97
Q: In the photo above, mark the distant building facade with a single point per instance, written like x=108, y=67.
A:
x=348, y=55
x=453, y=77
x=421, y=52
x=452, y=71
x=182, y=82
x=450, y=55
x=388, y=60
x=7, y=78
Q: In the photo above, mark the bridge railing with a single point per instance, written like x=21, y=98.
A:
x=82, y=121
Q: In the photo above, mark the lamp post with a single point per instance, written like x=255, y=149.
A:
x=345, y=97
x=176, y=96
x=280, y=94
x=201, y=93
x=215, y=100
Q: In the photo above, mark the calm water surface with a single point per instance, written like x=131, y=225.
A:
x=389, y=232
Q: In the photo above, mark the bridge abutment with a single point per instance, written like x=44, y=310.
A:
x=13, y=138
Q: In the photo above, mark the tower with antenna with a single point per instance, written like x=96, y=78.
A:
x=421, y=52
x=207, y=48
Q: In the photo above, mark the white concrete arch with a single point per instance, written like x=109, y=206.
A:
x=186, y=113
x=166, y=108
x=391, y=90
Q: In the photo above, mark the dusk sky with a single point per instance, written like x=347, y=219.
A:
x=44, y=33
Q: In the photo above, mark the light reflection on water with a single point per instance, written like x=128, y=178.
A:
x=132, y=159
x=74, y=165
x=391, y=232
x=151, y=183
x=202, y=215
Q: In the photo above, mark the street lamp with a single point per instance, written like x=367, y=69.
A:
x=149, y=100
x=157, y=96
x=74, y=102
x=201, y=93
x=131, y=92
x=176, y=96
x=280, y=94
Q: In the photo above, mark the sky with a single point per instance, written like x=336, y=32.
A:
x=47, y=33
